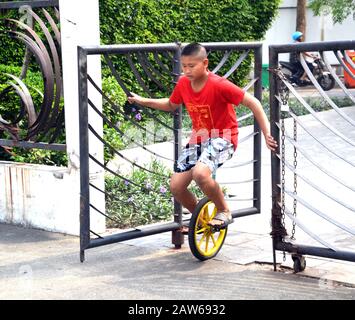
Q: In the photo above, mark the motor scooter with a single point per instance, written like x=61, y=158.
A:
x=294, y=71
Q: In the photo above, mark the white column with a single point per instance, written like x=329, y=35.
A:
x=79, y=21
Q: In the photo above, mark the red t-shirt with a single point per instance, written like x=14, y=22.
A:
x=211, y=109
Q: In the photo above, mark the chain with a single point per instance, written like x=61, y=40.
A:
x=294, y=178
x=283, y=170
x=284, y=95
x=283, y=177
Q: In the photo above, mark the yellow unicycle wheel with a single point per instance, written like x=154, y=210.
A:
x=205, y=241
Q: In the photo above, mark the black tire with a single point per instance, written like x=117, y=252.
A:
x=327, y=82
x=208, y=232
x=299, y=263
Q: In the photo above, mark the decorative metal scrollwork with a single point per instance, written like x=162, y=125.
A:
x=44, y=122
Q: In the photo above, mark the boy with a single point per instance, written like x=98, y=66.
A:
x=209, y=100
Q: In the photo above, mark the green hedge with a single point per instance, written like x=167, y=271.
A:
x=152, y=21
x=12, y=51
x=145, y=21
x=9, y=110
x=9, y=105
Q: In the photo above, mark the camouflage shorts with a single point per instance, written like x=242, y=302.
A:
x=212, y=152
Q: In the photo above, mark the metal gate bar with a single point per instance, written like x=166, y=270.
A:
x=34, y=4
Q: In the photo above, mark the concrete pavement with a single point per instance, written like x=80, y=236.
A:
x=36, y=264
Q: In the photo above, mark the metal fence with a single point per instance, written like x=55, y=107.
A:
x=44, y=121
x=153, y=71
x=312, y=187
x=6, y=5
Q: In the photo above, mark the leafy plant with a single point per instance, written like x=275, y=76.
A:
x=339, y=9
x=141, y=198
x=164, y=21
x=10, y=106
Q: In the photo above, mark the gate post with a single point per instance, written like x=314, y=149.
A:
x=80, y=26
x=258, y=56
x=84, y=154
x=276, y=217
x=177, y=236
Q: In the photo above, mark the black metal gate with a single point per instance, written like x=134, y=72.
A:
x=333, y=187
x=156, y=68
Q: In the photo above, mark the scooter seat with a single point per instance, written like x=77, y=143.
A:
x=287, y=65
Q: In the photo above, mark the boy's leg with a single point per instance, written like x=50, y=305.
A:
x=201, y=174
x=178, y=187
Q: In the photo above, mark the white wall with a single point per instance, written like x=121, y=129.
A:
x=39, y=196
x=318, y=29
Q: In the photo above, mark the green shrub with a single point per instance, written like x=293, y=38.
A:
x=10, y=102
x=13, y=50
x=164, y=21
x=39, y=156
x=10, y=110
x=317, y=103
x=130, y=206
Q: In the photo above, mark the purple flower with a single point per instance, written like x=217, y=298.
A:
x=134, y=109
x=138, y=116
x=148, y=185
x=126, y=182
x=163, y=189
x=130, y=199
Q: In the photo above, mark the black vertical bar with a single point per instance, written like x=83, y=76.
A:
x=177, y=236
x=258, y=56
x=33, y=4
x=276, y=222
x=84, y=153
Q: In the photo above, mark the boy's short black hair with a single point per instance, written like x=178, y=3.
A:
x=192, y=49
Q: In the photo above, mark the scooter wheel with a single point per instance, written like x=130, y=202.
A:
x=326, y=81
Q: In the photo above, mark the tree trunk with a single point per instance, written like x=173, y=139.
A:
x=301, y=17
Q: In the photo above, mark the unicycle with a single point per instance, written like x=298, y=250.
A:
x=205, y=241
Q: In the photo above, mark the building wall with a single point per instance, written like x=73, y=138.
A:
x=317, y=29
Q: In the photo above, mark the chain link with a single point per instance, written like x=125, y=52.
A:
x=284, y=93
x=283, y=178
x=294, y=178
x=283, y=171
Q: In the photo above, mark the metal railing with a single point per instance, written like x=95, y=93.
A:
x=45, y=121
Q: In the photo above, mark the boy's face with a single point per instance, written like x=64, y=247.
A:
x=194, y=67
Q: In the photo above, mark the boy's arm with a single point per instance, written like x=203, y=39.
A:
x=161, y=104
x=255, y=106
